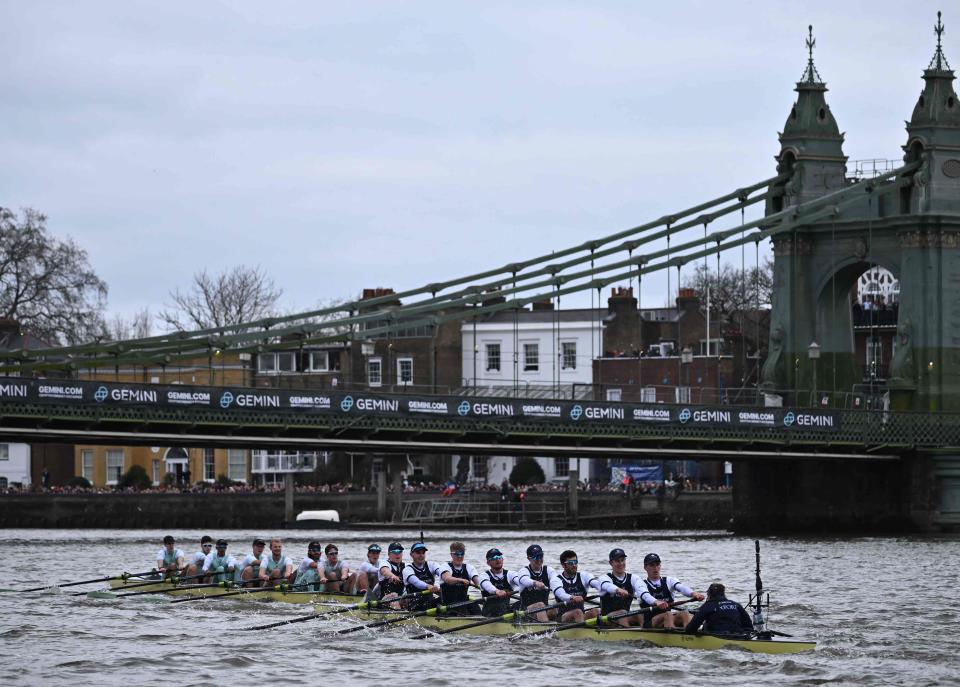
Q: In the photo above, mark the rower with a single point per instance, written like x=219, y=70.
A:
x=339, y=577
x=390, y=574
x=367, y=572
x=618, y=589
x=310, y=571
x=534, y=580
x=169, y=559
x=719, y=615
x=248, y=567
x=219, y=565
x=658, y=595
x=276, y=568
x=420, y=574
x=457, y=575
x=496, y=586
x=195, y=561
x=570, y=587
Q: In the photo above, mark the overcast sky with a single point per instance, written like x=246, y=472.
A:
x=350, y=145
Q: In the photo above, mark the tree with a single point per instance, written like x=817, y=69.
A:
x=527, y=471
x=136, y=477
x=46, y=283
x=119, y=328
x=733, y=290
x=230, y=297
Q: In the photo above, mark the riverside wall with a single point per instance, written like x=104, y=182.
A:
x=695, y=510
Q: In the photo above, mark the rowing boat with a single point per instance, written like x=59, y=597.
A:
x=658, y=637
x=136, y=584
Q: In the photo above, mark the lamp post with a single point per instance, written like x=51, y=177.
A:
x=813, y=352
x=686, y=359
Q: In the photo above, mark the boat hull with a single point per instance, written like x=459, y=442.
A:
x=295, y=597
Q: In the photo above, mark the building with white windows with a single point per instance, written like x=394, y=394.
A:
x=14, y=465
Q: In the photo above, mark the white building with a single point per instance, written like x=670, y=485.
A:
x=14, y=465
x=529, y=353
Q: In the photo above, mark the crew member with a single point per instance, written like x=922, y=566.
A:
x=657, y=595
x=420, y=574
x=496, y=585
x=367, y=572
x=534, y=580
x=390, y=574
x=310, y=570
x=457, y=576
x=618, y=589
x=195, y=560
x=219, y=565
x=248, y=567
x=337, y=572
x=169, y=559
x=719, y=615
x=276, y=568
x=570, y=587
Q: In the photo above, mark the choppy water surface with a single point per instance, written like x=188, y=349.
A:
x=882, y=609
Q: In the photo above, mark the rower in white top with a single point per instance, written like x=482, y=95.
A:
x=368, y=571
x=457, y=576
x=195, y=560
x=534, y=581
x=310, y=571
x=248, y=567
x=497, y=585
x=420, y=574
x=219, y=565
x=169, y=558
x=571, y=587
x=657, y=594
x=618, y=589
x=275, y=568
x=337, y=572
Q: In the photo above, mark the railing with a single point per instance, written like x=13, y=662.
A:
x=483, y=511
x=284, y=461
x=868, y=169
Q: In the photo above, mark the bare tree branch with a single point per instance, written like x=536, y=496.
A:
x=228, y=298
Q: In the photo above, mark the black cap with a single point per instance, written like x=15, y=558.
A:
x=651, y=559
x=534, y=550
x=419, y=546
x=259, y=542
x=716, y=591
x=617, y=553
x=168, y=539
x=493, y=552
x=394, y=545
x=221, y=543
x=373, y=548
x=315, y=546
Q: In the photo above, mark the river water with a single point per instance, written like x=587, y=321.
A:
x=883, y=611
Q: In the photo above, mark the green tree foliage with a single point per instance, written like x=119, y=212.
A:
x=527, y=471
x=136, y=477
x=46, y=283
x=79, y=481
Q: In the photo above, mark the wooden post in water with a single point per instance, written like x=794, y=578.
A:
x=382, y=495
x=574, y=482
x=288, y=513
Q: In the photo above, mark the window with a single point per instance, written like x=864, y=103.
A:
x=4, y=451
x=317, y=361
x=333, y=361
x=209, y=465
x=531, y=357
x=405, y=370
x=375, y=371
x=569, y=352
x=715, y=347
x=683, y=394
x=156, y=471
x=561, y=467
x=874, y=356
x=648, y=394
x=275, y=363
x=3, y=483
x=614, y=394
x=114, y=465
x=86, y=464
x=478, y=465
x=237, y=464
x=493, y=357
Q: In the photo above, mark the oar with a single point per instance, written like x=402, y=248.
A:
x=599, y=620
x=111, y=595
x=506, y=617
x=149, y=583
x=360, y=606
x=418, y=614
x=238, y=584
x=122, y=576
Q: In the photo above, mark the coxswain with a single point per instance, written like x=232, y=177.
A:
x=570, y=587
x=219, y=565
x=534, y=581
x=310, y=570
x=657, y=595
x=618, y=589
x=275, y=568
x=719, y=615
x=195, y=560
x=497, y=585
x=367, y=572
x=420, y=574
x=457, y=576
x=248, y=567
x=337, y=572
x=390, y=574
x=169, y=558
